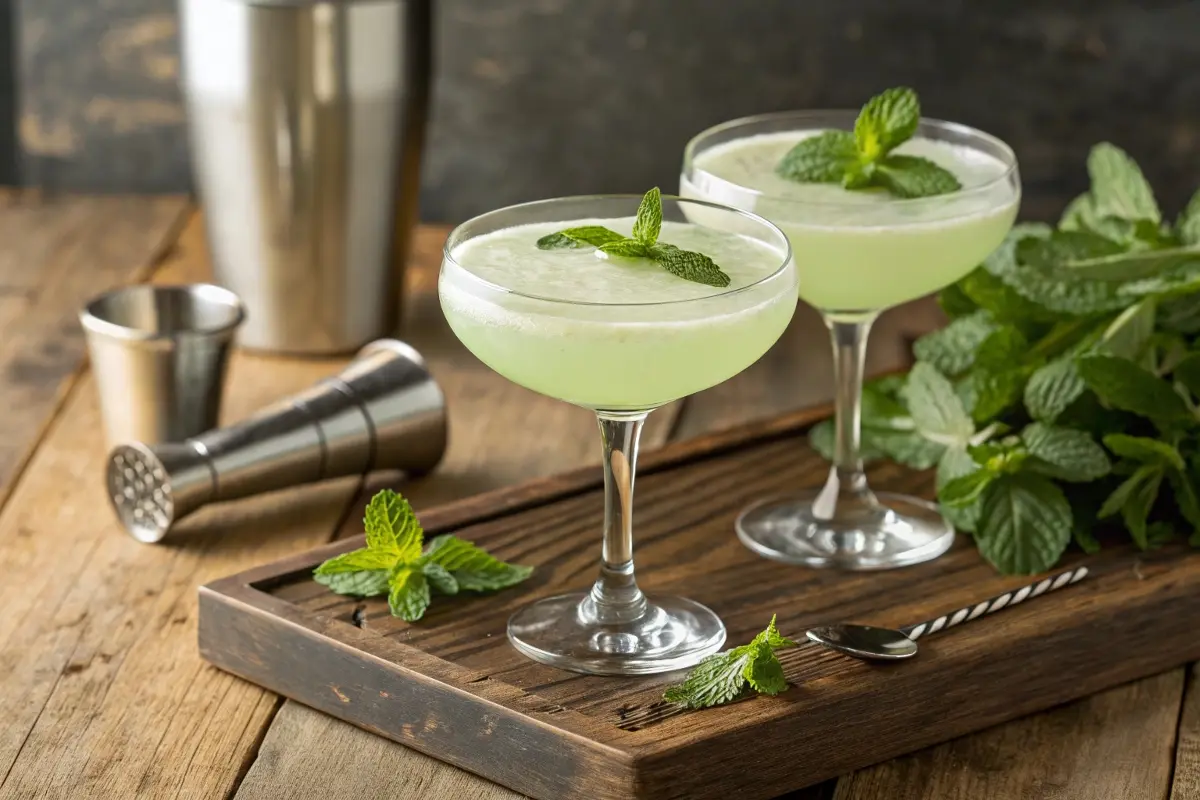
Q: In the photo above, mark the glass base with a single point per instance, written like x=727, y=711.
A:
x=893, y=530
x=565, y=632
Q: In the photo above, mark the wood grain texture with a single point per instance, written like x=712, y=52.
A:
x=617, y=740
x=56, y=253
x=1116, y=745
x=1186, y=780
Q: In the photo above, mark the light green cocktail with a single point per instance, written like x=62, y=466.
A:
x=620, y=336
x=858, y=252
x=610, y=333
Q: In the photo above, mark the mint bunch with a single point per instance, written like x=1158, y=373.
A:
x=864, y=159
x=1061, y=400
x=395, y=563
x=644, y=243
x=733, y=674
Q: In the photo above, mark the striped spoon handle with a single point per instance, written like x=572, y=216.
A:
x=1005, y=600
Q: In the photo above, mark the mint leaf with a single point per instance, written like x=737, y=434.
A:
x=356, y=561
x=912, y=176
x=987, y=393
x=888, y=119
x=908, y=448
x=1186, y=499
x=626, y=248
x=1064, y=453
x=952, y=349
x=823, y=158
x=1187, y=226
x=583, y=236
x=1118, y=187
x=1052, y=388
x=955, y=303
x=736, y=673
x=1187, y=372
x=409, y=595
x=1145, y=450
x=936, y=409
x=363, y=583
x=955, y=463
x=715, y=681
x=690, y=266
x=1123, y=384
x=392, y=527
x=1024, y=525
x=473, y=567
x=1134, y=499
x=439, y=578
x=649, y=218
x=965, y=490
x=1128, y=335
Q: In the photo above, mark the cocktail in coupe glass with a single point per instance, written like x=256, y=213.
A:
x=857, y=253
x=620, y=337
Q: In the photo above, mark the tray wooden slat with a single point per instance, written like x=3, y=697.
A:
x=451, y=686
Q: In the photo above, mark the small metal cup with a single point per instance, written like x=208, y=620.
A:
x=159, y=354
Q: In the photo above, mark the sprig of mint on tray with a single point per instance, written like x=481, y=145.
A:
x=1061, y=401
x=741, y=672
x=864, y=159
x=396, y=563
x=644, y=243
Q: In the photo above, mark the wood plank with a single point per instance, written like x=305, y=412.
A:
x=57, y=253
x=1186, y=780
x=415, y=682
x=1116, y=745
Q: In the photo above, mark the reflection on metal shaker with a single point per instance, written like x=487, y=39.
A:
x=307, y=121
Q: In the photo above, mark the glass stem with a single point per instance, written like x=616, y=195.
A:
x=847, y=484
x=615, y=597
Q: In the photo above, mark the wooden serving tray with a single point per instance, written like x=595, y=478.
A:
x=452, y=687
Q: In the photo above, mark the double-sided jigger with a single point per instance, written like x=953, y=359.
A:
x=384, y=411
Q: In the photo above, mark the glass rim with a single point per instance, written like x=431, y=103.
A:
x=448, y=256
x=1009, y=156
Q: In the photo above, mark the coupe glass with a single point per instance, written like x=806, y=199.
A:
x=620, y=360
x=856, y=257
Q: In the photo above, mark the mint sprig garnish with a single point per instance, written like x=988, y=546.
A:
x=647, y=226
x=733, y=674
x=396, y=563
x=864, y=159
x=1063, y=399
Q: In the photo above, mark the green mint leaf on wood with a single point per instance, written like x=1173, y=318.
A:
x=393, y=562
x=1124, y=385
x=824, y=158
x=1145, y=450
x=965, y=490
x=889, y=119
x=864, y=159
x=733, y=674
x=473, y=568
x=408, y=594
x=951, y=350
x=392, y=527
x=1119, y=189
x=695, y=267
x=1052, y=388
x=584, y=236
x=1024, y=525
x=911, y=176
x=1134, y=499
x=648, y=223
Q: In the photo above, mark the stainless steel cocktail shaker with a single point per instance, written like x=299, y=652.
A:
x=307, y=121
x=384, y=411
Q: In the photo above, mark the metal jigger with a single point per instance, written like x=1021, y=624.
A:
x=384, y=411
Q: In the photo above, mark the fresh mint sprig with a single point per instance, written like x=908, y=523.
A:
x=733, y=674
x=1063, y=399
x=647, y=226
x=396, y=563
x=864, y=159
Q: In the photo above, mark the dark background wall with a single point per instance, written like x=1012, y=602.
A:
x=544, y=97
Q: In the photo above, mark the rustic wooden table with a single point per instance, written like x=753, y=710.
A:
x=102, y=692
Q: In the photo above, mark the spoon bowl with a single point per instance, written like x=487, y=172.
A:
x=865, y=641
